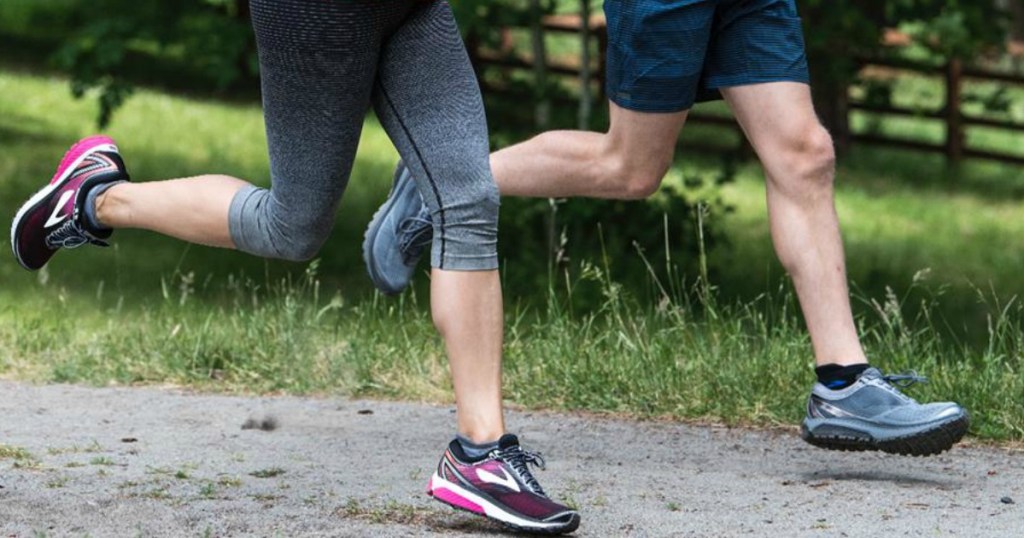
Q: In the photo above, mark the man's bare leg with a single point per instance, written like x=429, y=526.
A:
x=799, y=162
x=627, y=162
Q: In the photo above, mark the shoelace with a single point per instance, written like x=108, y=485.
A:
x=905, y=379
x=415, y=234
x=71, y=235
x=518, y=458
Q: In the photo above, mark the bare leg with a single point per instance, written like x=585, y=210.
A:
x=467, y=310
x=193, y=209
x=628, y=162
x=799, y=163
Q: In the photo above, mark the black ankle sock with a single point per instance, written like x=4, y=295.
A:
x=837, y=376
x=91, y=220
x=474, y=451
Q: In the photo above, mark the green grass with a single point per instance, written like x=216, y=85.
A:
x=152, y=310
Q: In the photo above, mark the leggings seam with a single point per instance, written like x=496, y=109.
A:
x=419, y=155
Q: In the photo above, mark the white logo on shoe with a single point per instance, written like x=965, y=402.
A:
x=55, y=217
x=492, y=478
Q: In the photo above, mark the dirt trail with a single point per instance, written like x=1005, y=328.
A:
x=151, y=462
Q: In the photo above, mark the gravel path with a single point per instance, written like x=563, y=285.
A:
x=77, y=461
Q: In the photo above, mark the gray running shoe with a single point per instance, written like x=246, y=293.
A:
x=397, y=235
x=872, y=414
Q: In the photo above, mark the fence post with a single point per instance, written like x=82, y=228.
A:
x=602, y=60
x=954, y=121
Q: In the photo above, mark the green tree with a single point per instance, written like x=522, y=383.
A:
x=211, y=37
x=840, y=32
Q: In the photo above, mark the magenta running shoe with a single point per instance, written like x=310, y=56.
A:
x=54, y=217
x=501, y=488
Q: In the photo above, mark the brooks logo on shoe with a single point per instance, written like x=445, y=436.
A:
x=56, y=217
x=492, y=478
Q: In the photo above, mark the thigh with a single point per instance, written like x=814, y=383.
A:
x=656, y=52
x=644, y=142
x=428, y=99
x=317, y=67
x=755, y=42
x=773, y=114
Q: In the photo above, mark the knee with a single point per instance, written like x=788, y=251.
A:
x=466, y=227
x=302, y=247
x=264, y=224
x=627, y=177
x=809, y=159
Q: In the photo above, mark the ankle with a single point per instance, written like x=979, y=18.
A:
x=839, y=376
x=105, y=205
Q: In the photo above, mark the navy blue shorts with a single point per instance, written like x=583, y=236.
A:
x=663, y=55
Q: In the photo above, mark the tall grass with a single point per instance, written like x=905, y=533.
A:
x=688, y=356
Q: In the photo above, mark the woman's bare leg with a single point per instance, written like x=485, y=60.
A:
x=192, y=209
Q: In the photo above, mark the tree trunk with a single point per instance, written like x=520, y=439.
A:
x=542, y=110
x=586, y=97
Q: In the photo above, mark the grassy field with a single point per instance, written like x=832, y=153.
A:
x=152, y=310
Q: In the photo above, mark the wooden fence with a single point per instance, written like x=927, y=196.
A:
x=955, y=122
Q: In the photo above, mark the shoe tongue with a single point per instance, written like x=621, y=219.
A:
x=508, y=440
x=871, y=373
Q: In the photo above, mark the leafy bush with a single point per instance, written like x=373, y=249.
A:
x=211, y=37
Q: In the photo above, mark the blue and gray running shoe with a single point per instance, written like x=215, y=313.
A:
x=872, y=414
x=397, y=235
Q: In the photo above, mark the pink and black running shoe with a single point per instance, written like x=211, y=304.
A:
x=54, y=217
x=501, y=487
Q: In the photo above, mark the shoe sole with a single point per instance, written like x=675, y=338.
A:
x=371, y=235
x=459, y=498
x=925, y=443
x=72, y=158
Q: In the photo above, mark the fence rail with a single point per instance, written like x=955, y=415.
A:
x=953, y=75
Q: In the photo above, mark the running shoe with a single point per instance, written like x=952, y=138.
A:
x=872, y=414
x=397, y=235
x=501, y=487
x=54, y=217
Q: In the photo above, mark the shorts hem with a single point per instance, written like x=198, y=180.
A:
x=651, y=106
x=236, y=210
x=736, y=82
x=454, y=262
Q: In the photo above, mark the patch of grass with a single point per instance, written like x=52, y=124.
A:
x=16, y=453
x=389, y=512
x=208, y=490
x=268, y=473
x=229, y=481
x=101, y=460
x=158, y=493
x=57, y=482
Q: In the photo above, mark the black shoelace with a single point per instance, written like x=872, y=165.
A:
x=904, y=379
x=71, y=235
x=518, y=459
x=416, y=235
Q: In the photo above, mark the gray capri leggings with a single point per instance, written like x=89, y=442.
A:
x=323, y=63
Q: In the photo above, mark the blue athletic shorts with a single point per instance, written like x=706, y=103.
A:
x=663, y=55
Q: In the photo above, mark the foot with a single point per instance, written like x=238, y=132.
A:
x=872, y=414
x=397, y=235
x=501, y=487
x=54, y=217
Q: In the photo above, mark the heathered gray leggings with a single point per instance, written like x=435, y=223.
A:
x=323, y=63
